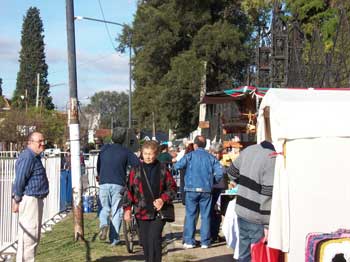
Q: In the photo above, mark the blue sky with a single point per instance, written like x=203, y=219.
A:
x=99, y=66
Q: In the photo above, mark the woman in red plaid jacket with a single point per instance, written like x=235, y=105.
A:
x=148, y=203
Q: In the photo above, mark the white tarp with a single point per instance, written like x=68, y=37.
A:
x=299, y=113
x=312, y=178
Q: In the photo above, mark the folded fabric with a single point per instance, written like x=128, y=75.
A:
x=230, y=228
x=328, y=249
x=314, y=239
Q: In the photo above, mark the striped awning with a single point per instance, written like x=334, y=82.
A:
x=230, y=95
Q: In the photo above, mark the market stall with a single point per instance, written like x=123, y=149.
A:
x=311, y=133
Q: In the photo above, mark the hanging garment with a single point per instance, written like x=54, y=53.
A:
x=230, y=228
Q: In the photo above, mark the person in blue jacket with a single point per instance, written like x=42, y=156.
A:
x=202, y=171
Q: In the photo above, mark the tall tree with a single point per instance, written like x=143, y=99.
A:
x=324, y=27
x=112, y=106
x=32, y=62
x=0, y=86
x=170, y=37
x=50, y=122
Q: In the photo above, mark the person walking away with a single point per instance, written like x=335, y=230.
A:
x=164, y=156
x=112, y=164
x=215, y=214
x=188, y=149
x=254, y=170
x=202, y=171
x=30, y=188
x=148, y=204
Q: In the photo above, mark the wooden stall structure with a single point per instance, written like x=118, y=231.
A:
x=231, y=115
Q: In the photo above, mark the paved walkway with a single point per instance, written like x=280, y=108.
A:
x=173, y=232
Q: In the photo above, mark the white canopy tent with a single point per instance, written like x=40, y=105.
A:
x=311, y=132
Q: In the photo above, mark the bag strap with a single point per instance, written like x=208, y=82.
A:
x=147, y=181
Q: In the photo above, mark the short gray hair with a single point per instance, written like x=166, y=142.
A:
x=118, y=136
x=216, y=147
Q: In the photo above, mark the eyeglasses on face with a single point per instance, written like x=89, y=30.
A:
x=42, y=141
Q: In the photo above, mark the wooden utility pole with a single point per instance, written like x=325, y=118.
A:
x=74, y=125
x=153, y=127
x=37, y=89
x=26, y=99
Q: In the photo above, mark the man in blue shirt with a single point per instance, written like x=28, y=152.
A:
x=30, y=187
x=202, y=171
x=112, y=164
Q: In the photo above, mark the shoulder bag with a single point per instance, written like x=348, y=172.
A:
x=167, y=213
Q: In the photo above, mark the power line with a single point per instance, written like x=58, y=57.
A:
x=79, y=65
x=106, y=26
x=86, y=63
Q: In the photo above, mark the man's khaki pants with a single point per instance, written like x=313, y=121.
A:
x=29, y=227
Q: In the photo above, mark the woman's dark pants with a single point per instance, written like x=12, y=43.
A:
x=151, y=238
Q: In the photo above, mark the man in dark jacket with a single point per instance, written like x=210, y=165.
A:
x=112, y=164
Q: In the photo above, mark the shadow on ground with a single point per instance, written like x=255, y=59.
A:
x=223, y=258
x=135, y=257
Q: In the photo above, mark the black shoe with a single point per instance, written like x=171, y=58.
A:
x=103, y=233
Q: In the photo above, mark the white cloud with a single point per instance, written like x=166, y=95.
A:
x=96, y=72
x=9, y=50
x=54, y=55
x=108, y=63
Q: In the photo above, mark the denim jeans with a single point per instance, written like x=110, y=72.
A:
x=110, y=197
x=66, y=189
x=249, y=233
x=215, y=215
x=195, y=200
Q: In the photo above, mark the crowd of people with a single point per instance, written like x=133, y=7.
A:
x=146, y=185
x=151, y=185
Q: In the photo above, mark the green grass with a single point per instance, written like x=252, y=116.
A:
x=58, y=245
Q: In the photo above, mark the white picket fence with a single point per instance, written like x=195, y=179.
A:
x=9, y=220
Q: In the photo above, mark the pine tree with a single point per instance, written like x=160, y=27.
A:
x=0, y=87
x=32, y=62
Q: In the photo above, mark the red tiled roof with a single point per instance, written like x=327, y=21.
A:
x=103, y=133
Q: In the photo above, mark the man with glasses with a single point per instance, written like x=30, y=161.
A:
x=30, y=188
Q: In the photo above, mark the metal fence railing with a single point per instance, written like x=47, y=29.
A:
x=91, y=168
x=52, y=166
x=8, y=154
x=9, y=220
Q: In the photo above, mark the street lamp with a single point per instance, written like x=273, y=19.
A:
x=129, y=43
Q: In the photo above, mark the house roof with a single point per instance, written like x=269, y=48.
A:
x=103, y=133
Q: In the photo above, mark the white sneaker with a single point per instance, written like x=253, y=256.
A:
x=204, y=246
x=188, y=246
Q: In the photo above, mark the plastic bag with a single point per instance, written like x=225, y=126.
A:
x=260, y=252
